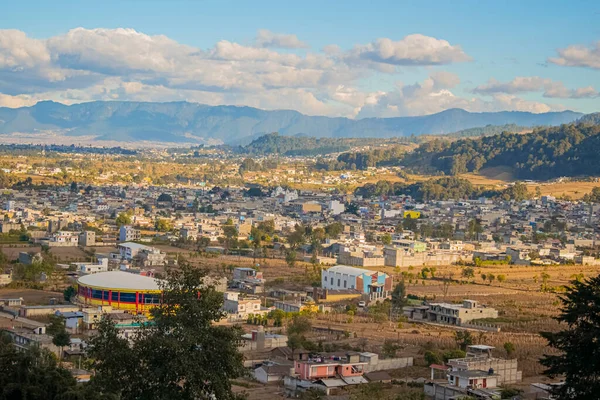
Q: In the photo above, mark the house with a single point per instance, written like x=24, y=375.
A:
x=240, y=307
x=87, y=238
x=146, y=254
x=271, y=372
x=377, y=285
x=101, y=265
x=248, y=280
x=5, y=278
x=459, y=314
x=128, y=233
x=479, y=357
x=320, y=367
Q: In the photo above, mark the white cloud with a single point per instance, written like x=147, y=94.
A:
x=434, y=95
x=123, y=64
x=524, y=84
x=411, y=50
x=266, y=38
x=578, y=56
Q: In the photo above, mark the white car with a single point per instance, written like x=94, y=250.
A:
x=362, y=304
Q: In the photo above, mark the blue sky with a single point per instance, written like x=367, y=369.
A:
x=518, y=44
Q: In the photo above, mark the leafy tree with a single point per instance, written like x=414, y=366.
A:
x=34, y=374
x=290, y=258
x=299, y=325
x=61, y=339
x=509, y=348
x=174, y=357
x=451, y=354
x=579, y=358
x=389, y=348
x=501, y=278
x=123, y=218
x=294, y=342
x=69, y=292
x=334, y=230
x=399, y=296
x=468, y=273
x=386, y=239
x=432, y=357
x=491, y=278
x=463, y=339
x=163, y=225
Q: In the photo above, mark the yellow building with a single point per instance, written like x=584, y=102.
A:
x=412, y=214
x=120, y=290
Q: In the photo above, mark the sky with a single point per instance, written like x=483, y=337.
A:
x=351, y=59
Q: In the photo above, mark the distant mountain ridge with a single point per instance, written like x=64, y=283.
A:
x=191, y=122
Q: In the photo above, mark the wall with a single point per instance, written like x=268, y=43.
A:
x=390, y=363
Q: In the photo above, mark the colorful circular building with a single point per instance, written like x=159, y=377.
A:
x=121, y=290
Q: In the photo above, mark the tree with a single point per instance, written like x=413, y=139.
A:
x=386, y=238
x=69, y=292
x=300, y=325
x=163, y=225
x=290, y=258
x=61, y=339
x=294, y=342
x=463, y=339
x=389, y=348
x=432, y=357
x=501, y=278
x=313, y=394
x=579, y=358
x=399, y=296
x=123, y=218
x=34, y=374
x=182, y=354
x=445, y=285
x=509, y=348
x=409, y=224
x=468, y=273
x=491, y=278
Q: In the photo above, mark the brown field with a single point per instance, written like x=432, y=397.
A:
x=573, y=189
x=31, y=296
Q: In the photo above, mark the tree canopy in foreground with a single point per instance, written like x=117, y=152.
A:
x=579, y=344
x=179, y=354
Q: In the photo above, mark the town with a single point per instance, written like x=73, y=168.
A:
x=333, y=291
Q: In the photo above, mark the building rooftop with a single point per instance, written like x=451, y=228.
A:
x=345, y=269
x=120, y=280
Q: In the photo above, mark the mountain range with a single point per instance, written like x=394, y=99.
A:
x=183, y=122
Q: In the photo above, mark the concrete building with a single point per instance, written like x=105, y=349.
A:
x=240, y=307
x=147, y=255
x=101, y=265
x=377, y=285
x=87, y=238
x=478, y=375
x=128, y=233
x=479, y=357
x=459, y=314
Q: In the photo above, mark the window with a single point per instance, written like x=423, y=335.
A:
x=332, y=281
x=339, y=282
x=128, y=297
x=344, y=284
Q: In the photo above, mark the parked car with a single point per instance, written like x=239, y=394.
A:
x=362, y=304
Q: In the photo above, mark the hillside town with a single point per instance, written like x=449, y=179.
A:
x=390, y=263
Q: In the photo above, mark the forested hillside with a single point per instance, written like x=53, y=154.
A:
x=567, y=150
x=444, y=188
